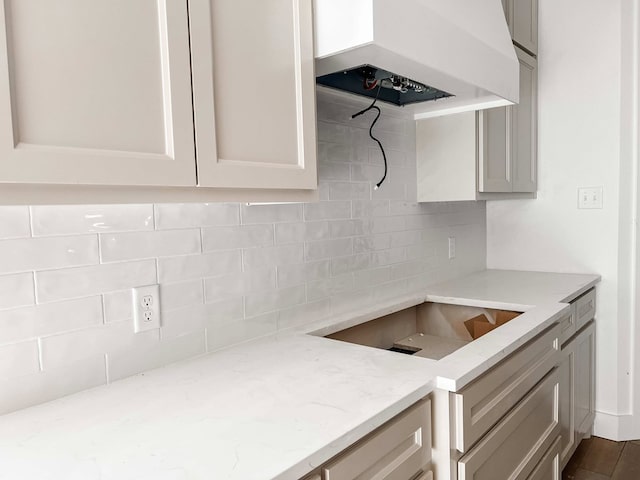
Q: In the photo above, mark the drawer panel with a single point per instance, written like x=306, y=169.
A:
x=518, y=443
x=426, y=476
x=478, y=406
x=549, y=466
x=396, y=451
x=585, y=308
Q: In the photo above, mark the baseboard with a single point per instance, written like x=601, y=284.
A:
x=616, y=427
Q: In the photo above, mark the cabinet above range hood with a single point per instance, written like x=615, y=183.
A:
x=433, y=56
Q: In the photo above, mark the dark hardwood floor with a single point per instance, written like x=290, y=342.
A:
x=600, y=459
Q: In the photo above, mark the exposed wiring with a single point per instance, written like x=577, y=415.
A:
x=377, y=109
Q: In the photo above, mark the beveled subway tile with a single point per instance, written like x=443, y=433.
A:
x=35, y=321
x=19, y=359
x=14, y=223
x=177, y=269
x=48, y=253
x=192, y=215
x=276, y=213
x=226, y=238
x=16, y=290
x=78, y=219
x=84, y=281
x=134, y=246
x=42, y=387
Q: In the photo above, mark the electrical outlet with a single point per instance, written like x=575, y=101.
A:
x=452, y=248
x=146, y=308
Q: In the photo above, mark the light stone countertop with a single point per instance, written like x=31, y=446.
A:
x=273, y=408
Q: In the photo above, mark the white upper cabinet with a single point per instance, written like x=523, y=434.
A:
x=490, y=154
x=524, y=123
x=494, y=146
x=254, y=93
x=522, y=17
x=207, y=93
x=95, y=92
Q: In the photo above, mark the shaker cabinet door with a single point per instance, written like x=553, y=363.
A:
x=95, y=92
x=494, y=156
x=522, y=16
x=525, y=127
x=254, y=93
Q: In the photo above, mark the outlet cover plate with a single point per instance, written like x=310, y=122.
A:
x=146, y=308
x=590, y=198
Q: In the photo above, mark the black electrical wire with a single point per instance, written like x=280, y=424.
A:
x=377, y=109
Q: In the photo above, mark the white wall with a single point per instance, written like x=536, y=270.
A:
x=228, y=272
x=579, y=145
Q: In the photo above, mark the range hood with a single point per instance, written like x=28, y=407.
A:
x=435, y=57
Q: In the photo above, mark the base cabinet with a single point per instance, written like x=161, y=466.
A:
x=549, y=466
x=515, y=447
x=398, y=450
x=577, y=372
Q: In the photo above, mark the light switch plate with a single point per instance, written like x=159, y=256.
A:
x=146, y=308
x=590, y=197
x=452, y=248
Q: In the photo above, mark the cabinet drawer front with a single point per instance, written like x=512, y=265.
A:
x=549, y=466
x=485, y=401
x=426, y=476
x=397, y=451
x=568, y=325
x=585, y=308
x=517, y=444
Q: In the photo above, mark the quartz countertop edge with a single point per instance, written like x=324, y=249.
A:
x=273, y=408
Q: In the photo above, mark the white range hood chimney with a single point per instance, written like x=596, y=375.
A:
x=460, y=48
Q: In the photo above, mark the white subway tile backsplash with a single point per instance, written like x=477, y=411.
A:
x=289, y=275
x=30, y=322
x=334, y=132
x=349, y=191
x=334, y=152
x=304, y=314
x=352, y=263
x=225, y=238
x=220, y=336
x=275, y=213
x=78, y=219
x=272, y=256
x=65, y=348
x=229, y=286
x=193, y=215
x=126, y=362
x=176, y=269
x=301, y=232
x=19, y=359
x=16, y=290
x=333, y=171
x=327, y=210
x=41, y=387
x=328, y=287
x=373, y=208
x=322, y=249
x=132, y=246
x=79, y=282
x=349, y=228
x=177, y=295
x=47, y=253
x=118, y=306
x=14, y=222
x=371, y=243
x=227, y=272
x=258, y=303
